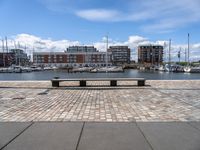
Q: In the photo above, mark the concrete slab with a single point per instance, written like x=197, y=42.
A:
x=48, y=136
x=9, y=130
x=112, y=136
x=195, y=125
x=171, y=135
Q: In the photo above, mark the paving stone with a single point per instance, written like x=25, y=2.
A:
x=195, y=124
x=112, y=136
x=48, y=136
x=9, y=130
x=171, y=135
x=161, y=101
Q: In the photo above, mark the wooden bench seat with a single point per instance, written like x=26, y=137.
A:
x=113, y=81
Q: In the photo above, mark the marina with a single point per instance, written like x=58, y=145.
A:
x=100, y=75
x=128, y=73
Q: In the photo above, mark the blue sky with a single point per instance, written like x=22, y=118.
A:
x=59, y=23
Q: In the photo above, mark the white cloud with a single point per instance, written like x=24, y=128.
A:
x=45, y=45
x=162, y=16
x=156, y=16
x=34, y=43
x=98, y=14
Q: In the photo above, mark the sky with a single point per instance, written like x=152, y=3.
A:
x=53, y=25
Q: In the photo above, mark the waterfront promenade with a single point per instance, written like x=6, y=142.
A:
x=164, y=115
x=24, y=101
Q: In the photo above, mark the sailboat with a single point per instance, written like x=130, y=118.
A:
x=188, y=68
x=167, y=67
x=195, y=70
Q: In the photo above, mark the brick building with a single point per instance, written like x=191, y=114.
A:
x=7, y=59
x=150, y=54
x=74, y=59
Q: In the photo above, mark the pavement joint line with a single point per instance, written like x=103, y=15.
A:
x=176, y=89
x=189, y=123
x=144, y=136
x=79, y=138
x=17, y=136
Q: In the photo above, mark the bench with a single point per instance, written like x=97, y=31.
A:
x=113, y=81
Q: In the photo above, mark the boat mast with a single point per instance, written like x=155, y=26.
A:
x=185, y=55
x=159, y=57
x=18, y=54
x=169, y=51
x=107, y=51
x=165, y=52
x=6, y=44
x=15, y=44
x=3, y=52
x=179, y=55
x=188, y=49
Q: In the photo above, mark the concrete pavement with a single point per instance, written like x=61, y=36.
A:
x=100, y=136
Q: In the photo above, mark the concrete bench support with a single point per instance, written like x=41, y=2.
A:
x=82, y=83
x=113, y=83
x=55, y=83
x=141, y=82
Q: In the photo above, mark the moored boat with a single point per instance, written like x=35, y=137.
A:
x=187, y=69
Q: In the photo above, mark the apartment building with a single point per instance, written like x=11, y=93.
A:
x=72, y=59
x=75, y=49
x=150, y=54
x=120, y=54
x=6, y=59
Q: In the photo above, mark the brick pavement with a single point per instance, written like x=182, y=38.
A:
x=159, y=101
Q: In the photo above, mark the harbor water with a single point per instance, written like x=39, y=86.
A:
x=149, y=75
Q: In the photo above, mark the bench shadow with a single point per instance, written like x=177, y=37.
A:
x=104, y=87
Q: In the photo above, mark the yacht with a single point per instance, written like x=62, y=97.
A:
x=187, y=69
x=17, y=69
x=161, y=68
x=167, y=68
x=35, y=68
x=195, y=70
x=47, y=68
x=26, y=69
